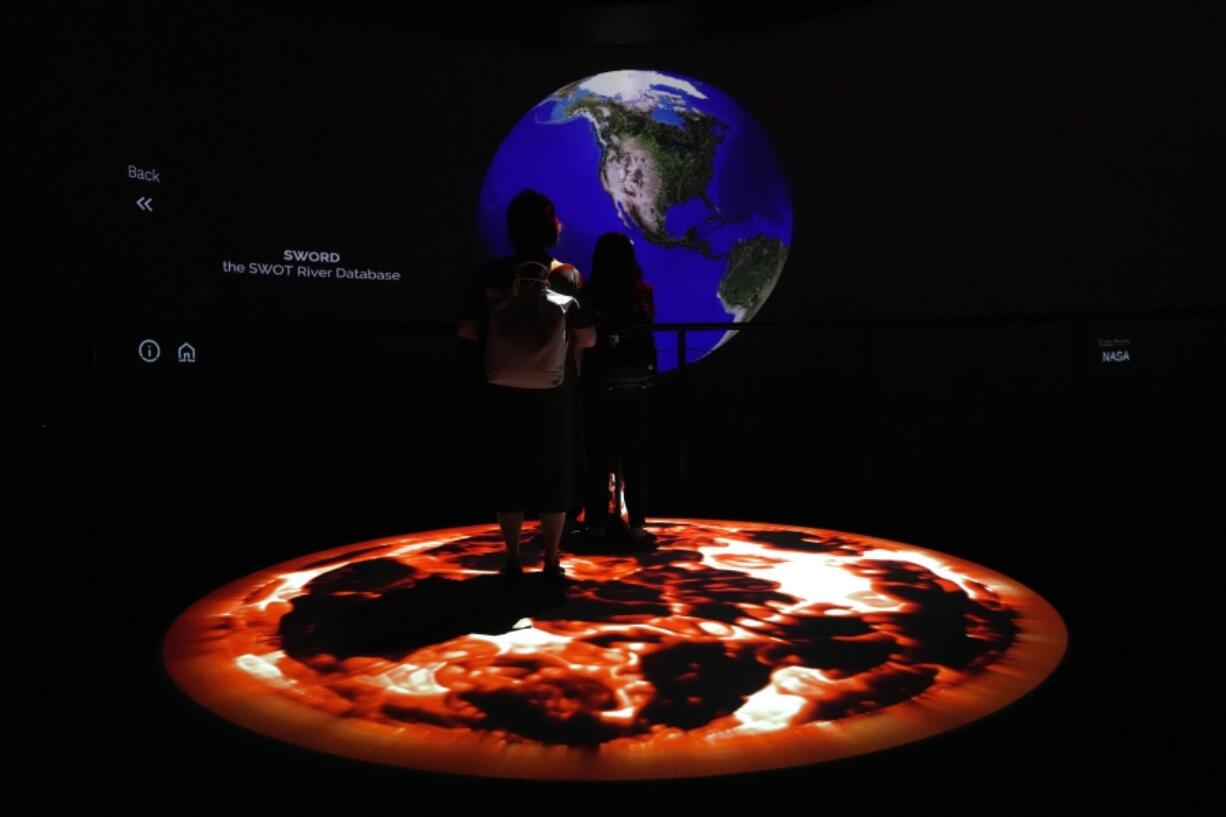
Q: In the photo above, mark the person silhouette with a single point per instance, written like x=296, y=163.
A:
x=619, y=374
x=566, y=279
x=526, y=329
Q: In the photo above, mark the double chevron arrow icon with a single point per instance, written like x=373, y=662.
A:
x=145, y=203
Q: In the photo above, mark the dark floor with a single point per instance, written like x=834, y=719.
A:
x=1120, y=722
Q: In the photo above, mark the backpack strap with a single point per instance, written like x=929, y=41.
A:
x=530, y=271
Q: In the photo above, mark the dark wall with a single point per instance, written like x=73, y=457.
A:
x=945, y=158
x=977, y=191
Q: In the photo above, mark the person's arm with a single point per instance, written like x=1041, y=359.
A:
x=468, y=327
x=585, y=337
x=584, y=323
x=565, y=278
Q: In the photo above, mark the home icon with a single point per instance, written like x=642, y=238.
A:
x=187, y=353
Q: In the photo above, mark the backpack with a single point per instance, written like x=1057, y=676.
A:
x=526, y=341
x=625, y=359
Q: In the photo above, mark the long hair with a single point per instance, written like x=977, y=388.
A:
x=617, y=284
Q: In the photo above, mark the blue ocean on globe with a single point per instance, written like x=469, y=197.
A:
x=675, y=164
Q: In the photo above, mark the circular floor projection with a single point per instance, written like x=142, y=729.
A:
x=729, y=647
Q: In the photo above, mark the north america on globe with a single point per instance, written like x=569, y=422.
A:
x=673, y=163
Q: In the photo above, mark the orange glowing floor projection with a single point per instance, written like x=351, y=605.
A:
x=729, y=647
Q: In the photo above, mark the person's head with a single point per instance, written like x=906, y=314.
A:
x=532, y=222
x=616, y=274
x=614, y=259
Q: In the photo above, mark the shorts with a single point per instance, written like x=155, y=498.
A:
x=530, y=449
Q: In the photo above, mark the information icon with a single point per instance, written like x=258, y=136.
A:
x=149, y=350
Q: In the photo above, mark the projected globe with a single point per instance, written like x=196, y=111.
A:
x=675, y=164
